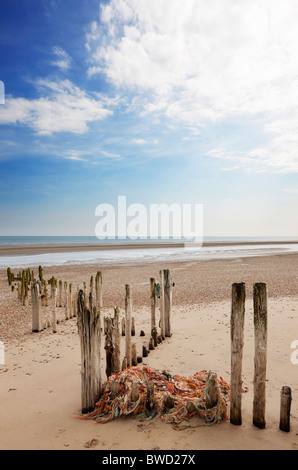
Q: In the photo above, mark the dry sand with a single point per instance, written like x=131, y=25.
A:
x=40, y=383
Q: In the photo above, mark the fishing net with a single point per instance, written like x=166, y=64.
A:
x=175, y=399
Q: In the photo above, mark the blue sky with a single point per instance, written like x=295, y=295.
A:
x=162, y=101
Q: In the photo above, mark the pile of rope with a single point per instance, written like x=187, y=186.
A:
x=175, y=398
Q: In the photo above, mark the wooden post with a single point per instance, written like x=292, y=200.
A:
x=116, y=341
x=133, y=328
x=151, y=344
x=90, y=338
x=109, y=348
x=154, y=336
x=153, y=302
x=162, y=305
x=145, y=351
x=150, y=397
x=167, y=302
x=128, y=308
x=134, y=396
x=115, y=389
x=134, y=356
x=60, y=294
x=123, y=326
x=237, y=342
x=66, y=300
x=70, y=301
x=36, y=307
x=285, y=409
x=212, y=392
x=124, y=364
x=98, y=289
x=53, y=283
x=260, y=327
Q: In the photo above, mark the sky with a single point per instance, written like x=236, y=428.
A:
x=161, y=101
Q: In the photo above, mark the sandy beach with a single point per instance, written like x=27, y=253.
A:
x=40, y=394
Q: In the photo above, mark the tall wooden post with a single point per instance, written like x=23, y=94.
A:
x=162, y=305
x=109, y=347
x=260, y=327
x=70, y=301
x=90, y=339
x=60, y=294
x=285, y=409
x=53, y=283
x=168, y=302
x=153, y=303
x=98, y=289
x=134, y=356
x=128, y=309
x=36, y=307
x=66, y=300
x=116, y=341
x=237, y=342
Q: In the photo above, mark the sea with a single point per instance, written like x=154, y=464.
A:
x=216, y=248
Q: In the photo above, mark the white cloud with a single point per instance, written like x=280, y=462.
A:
x=201, y=62
x=111, y=155
x=63, y=107
x=63, y=59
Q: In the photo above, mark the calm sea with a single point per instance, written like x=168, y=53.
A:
x=144, y=255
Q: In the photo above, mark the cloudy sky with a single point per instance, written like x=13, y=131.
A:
x=163, y=101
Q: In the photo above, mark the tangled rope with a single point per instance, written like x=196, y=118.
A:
x=175, y=399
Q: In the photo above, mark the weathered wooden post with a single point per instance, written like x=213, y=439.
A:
x=237, y=342
x=162, y=304
x=60, y=294
x=151, y=344
x=9, y=276
x=116, y=341
x=260, y=327
x=123, y=326
x=70, y=301
x=124, y=364
x=135, y=392
x=154, y=336
x=168, y=288
x=98, y=289
x=91, y=285
x=212, y=391
x=128, y=309
x=133, y=328
x=53, y=284
x=109, y=347
x=36, y=307
x=90, y=338
x=153, y=302
x=134, y=356
x=285, y=409
x=66, y=300
x=115, y=389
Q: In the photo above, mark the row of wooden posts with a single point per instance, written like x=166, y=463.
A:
x=69, y=302
x=89, y=327
x=260, y=359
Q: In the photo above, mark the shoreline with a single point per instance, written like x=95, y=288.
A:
x=19, y=250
